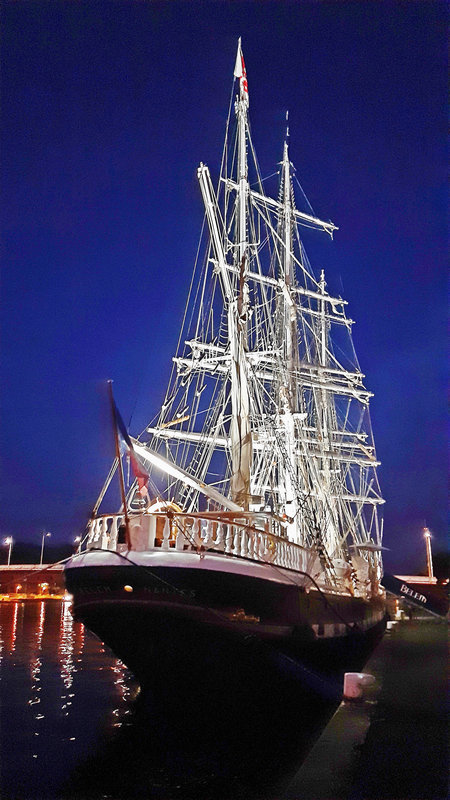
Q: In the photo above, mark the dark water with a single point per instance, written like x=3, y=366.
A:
x=60, y=693
x=74, y=724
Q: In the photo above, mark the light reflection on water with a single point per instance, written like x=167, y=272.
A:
x=60, y=691
x=70, y=729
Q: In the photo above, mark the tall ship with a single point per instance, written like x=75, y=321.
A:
x=249, y=534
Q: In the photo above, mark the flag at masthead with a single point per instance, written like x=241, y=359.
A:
x=241, y=73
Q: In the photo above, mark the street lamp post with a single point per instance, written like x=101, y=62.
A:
x=427, y=536
x=9, y=541
x=42, y=546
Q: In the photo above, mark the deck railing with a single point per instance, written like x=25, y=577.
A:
x=198, y=533
x=247, y=536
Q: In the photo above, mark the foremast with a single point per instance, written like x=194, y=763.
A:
x=240, y=428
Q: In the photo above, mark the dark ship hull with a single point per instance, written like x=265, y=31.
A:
x=195, y=618
x=239, y=670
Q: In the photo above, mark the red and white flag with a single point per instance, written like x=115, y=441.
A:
x=241, y=73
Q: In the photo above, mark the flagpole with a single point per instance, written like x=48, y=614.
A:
x=119, y=460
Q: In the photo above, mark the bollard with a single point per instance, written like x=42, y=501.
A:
x=355, y=683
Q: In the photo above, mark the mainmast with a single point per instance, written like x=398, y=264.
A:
x=240, y=430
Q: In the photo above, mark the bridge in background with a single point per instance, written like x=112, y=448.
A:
x=20, y=581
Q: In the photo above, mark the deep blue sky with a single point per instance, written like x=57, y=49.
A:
x=107, y=109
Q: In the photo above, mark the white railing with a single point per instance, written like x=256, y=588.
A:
x=186, y=532
x=246, y=536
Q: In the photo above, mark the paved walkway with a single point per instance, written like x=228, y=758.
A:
x=395, y=748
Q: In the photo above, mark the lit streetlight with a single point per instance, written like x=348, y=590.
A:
x=44, y=535
x=427, y=536
x=9, y=541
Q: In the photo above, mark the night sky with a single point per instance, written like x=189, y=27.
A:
x=107, y=110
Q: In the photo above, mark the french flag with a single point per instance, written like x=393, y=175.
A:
x=142, y=477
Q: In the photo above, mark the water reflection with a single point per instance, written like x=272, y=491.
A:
x=125, y=692
x=60, y=693
x=13, y=627
x=74, y=725
x=35, y=669
x=35, y=660
x=66, y=660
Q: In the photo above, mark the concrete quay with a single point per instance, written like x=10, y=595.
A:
x=393, y=745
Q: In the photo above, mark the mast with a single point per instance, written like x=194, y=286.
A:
x=289, y=304
x=330, y=532
x=323, y=363
x=242, y=104
x=288, y=472
x=240, y=429
x=236, y=295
